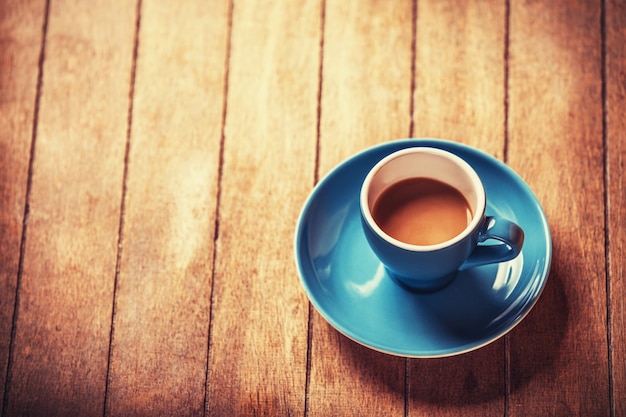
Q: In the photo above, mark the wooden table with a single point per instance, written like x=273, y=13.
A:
x=155, y=155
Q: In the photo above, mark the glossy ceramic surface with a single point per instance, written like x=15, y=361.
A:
x=350, y=288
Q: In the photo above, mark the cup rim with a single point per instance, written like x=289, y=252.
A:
x=466, y=167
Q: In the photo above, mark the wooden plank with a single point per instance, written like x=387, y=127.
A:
x=460, y=82
x=615, y=31
x=558, y=355
x=366, y=99
x=366, y=77
x=64, y=313
x=20, y=46
x=160, y=337
x=460, y=73
x=258, y=334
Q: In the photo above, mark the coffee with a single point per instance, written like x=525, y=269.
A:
x=422, y=211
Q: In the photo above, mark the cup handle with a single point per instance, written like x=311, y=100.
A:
x=507, y=232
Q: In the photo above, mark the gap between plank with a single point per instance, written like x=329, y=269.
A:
x=120, y=232
x=218, y=198
x=20, y=268
x=316, y=175
x=606, y=180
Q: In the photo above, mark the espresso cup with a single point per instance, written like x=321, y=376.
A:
x=423, y=214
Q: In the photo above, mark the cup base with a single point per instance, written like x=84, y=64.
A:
x=422, y=286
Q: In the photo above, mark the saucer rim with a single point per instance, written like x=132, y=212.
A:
x=396, y=145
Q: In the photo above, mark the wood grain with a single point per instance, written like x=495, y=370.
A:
x=64, y=313
x=460, y=95
x=460, y=72
x=258, y=335
x=366, y=98
x=558, y=355
x=615, y=76
x=174, y=146
x=20, y=45
x=366, y=81
x=164, y=285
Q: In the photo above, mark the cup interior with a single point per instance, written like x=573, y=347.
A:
x=424, y=162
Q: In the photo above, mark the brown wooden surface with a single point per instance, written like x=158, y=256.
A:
x=59, y=349
x=20, y=49
x=615, y=161
x=556, y=142
x=154, y=158
x=162, y=298
x=258, y=340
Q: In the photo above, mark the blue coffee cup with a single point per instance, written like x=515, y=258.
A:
x=428, y=267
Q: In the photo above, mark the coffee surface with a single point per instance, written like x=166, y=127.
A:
x=422, y=211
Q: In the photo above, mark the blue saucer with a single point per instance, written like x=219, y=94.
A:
x=349, y=287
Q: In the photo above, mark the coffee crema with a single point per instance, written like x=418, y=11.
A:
x=422, y=211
